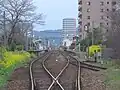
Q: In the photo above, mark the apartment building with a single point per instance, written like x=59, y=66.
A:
x=93, y=14
x=69, y=28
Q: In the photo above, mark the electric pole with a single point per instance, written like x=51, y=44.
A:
x=79, y=47
x=5, y=33
x=92, y=32
x=26, y=44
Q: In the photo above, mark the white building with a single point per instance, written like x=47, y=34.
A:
x=67, y=42
x=69, y=28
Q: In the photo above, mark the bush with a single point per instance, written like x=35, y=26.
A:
x=12, y=46
x=112, y=80
x=19, y=47
x=12, y=60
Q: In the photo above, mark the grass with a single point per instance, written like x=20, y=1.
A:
x=112, y=74
x=9, y=62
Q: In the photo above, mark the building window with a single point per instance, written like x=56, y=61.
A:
x=102, y=17
x=101, y=24
x=80, y=22
x=102, y=3
x=88, y=23
x=107, y=2
x=88, y=10
x=102, y=10
x=107, y=23
x=80, y=9
x=80, y=2
x=107, y=30
x=88, y=17
x=107, y=9
x=88, y=3
x=80, y=16
x=113, y=3
x=107, y=16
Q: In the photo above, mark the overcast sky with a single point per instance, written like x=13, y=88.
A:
x=55, y=11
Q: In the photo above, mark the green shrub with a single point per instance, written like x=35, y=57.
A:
x=112, y=74
x=19, y=47
x=12, y=60
x=33, y=55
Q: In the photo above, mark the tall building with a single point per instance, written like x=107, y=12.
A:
x=69, y=28
x=93, y=14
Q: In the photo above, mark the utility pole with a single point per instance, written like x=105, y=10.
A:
x=5, y=33
x=26, y=46
x=92, y=32
x=79, y=47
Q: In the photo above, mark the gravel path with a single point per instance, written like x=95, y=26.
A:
x=19, y=79
x=92, y=80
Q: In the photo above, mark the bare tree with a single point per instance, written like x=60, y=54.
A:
x=18, y=11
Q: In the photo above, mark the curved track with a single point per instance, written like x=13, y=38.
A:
x=33, y=85
x=54, y=78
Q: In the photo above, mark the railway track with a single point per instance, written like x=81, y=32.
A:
x=57, y=70
x=65, y=73
x=55, y=79
x=53, y=71
x=36, y=72
x=88, y=72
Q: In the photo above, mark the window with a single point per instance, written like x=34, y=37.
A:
x=107, y=9
x=101, y=24
x=113, y=3
x=80, y=2
x=80, y=22
x=88, y=10
x=80, y=16
x=107, y=2
x=102, y=3
x=102, y=17
x=102, y=10
x=107, y=23
x=88, y=3
x=88, y=17
x=80, y=9
x=107, y=30
x=88, y=23
x=107, y=16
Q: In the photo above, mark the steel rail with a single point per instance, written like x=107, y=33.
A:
x=55, y=79
x=31, y=76
x=79, y=73
x=31, y=72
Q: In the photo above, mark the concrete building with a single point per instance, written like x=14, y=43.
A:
x=93, y=13
x=69, y=28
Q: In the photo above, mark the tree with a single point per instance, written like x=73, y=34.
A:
x=97, y=35
x=114, y=30
x=18, y=11
x=98, y=38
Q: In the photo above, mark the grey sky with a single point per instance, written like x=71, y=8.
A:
x=55, y=11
